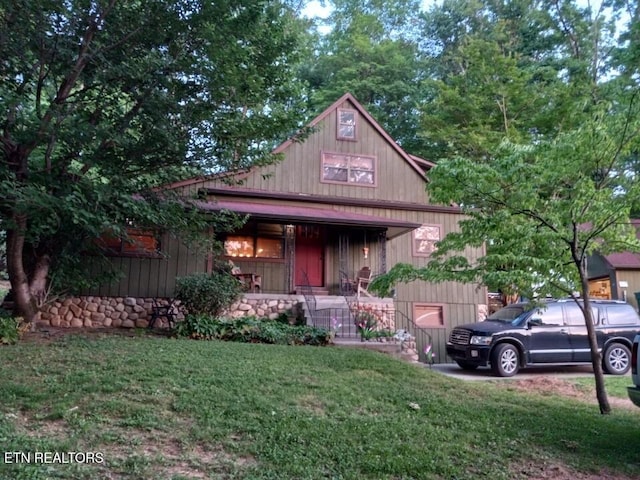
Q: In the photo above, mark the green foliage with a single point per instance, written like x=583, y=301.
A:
x=372, y=52
x=368, y=322
x=251, y=330
x=519, y=70
x=11, y=328
x=134, y=96
x=208, y=293
x=292, y=318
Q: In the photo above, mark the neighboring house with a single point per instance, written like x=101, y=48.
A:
x=345, y=198
x=617, y=275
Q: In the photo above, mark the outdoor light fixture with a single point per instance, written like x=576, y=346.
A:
x=365, y=249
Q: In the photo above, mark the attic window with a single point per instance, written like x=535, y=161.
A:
x=346, y=124
x=352, y=169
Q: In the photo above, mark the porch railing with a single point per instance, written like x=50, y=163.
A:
x=423, y=338
x=342, y=320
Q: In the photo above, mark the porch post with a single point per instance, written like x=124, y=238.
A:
x=289, y=254
x=382, y=247
x=343, y=252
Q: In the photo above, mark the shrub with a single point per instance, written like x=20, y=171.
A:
x=251, y=330
x=295, y=317
x=208, y=293
x=11, y=328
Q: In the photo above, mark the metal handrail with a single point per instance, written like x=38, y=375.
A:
x=328, y=318
x=423, y=338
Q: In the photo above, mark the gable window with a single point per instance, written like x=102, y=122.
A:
x=256, y=241
x=346, y=124
x=424, y=240
x=140, y=243
x=428, y=315
x=345, y=168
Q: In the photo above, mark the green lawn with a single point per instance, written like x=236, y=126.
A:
x=164, y=408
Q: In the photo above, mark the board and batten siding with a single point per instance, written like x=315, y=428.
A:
x=153, y=277
x=632, y=277
x=300, y=170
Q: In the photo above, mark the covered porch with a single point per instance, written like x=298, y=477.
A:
x=293, y=247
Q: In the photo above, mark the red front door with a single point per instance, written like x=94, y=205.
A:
x=309, y=255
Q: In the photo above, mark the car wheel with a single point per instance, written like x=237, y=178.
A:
x=505, y=360
x=617, y=359
x=466, y=365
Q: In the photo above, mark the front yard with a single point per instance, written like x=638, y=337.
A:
x=153, y=407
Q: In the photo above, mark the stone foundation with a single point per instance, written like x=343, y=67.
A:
x=382, y=310
x=129, y=312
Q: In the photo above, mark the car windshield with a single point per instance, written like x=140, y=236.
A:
x=507, y=314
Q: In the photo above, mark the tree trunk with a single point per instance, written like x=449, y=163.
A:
x=39, y=277
x=25, y=304
x=596, y=355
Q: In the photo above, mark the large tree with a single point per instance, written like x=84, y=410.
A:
x=372, y=51
x=535, y=139
x=508, y=69
x=103, y=101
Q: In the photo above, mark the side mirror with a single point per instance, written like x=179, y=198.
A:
x=534, y=322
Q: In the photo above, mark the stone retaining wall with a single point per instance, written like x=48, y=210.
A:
x=129, y=312
x=382, y=310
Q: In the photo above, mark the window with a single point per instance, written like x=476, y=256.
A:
x=574, y=316
x=622, y=314
x=424, y=240
x=600, y=288
x=346, y=124
x=344, y=168
x=256, y=241
x=140, y=242
x=549, y=316
x=428, y=315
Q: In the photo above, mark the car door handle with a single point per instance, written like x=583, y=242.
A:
x=565, y=331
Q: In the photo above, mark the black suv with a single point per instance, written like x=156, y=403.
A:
x=553, y=333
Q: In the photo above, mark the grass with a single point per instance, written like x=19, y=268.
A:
x=177, y=409
x=616, y=386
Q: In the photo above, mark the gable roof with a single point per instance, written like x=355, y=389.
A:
x=418, y=164
x=410, y=159
x=629, y=260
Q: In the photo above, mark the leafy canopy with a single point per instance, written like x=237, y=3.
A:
x=103, y=102
x=539, y=209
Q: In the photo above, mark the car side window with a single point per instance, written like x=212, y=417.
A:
x=622, y=314
x=574, y=316
x=549, y=316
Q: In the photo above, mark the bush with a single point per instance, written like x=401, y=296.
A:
x=251, y=330
x=11, y=328
x=208, y=294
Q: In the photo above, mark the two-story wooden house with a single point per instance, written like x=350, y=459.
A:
x=346, y=197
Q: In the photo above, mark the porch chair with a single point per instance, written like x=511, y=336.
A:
x=364, y=277
x=251, y=282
